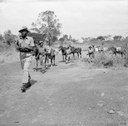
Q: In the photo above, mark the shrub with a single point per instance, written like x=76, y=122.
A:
x=108, y=60
x=108, y=63
x=126, y=54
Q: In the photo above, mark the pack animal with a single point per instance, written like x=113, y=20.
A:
x=74, y=50
x=66, y=52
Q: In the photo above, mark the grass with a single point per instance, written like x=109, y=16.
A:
x=108, y=60
x=8, y=54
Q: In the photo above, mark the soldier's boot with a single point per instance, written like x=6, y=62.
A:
x=23, y=88
x=28, y=84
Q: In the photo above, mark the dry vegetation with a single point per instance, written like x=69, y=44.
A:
x=8, y=54
x=108, y=60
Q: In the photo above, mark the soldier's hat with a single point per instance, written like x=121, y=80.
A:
x=24, y=28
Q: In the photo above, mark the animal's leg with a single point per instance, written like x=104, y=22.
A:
x=115, y=54
x=45, y=61
x=73, y=55
x=78, y=54
x=54, y=59
x=93, y=55
x=51, y=60
x=89, y=54
x=41, y=61
x=63, y=57
x=122, y=54
x=68, y=58
x=36, y=64
x=88, y=60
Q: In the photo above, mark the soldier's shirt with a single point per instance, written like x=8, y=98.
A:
x=26, y=42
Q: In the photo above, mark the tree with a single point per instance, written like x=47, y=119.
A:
x=75, y=40
x=47, y=23
x=100, y=38
x=86, y=39
x=9, y=38
x=70, y=38
x=61, y=39
x=117, y=37
x=54, y=39
x=1, y=37
x=126, y=38
x=65, y=37
x=37, y=37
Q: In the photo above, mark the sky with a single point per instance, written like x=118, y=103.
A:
x=79, y=18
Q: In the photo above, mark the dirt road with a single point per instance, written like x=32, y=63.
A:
x=74, y=94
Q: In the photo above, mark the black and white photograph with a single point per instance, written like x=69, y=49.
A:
x=63, y=62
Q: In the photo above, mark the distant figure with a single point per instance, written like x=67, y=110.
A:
x=91, y=51
x=25, y=45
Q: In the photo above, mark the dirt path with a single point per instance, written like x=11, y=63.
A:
x=72, y=94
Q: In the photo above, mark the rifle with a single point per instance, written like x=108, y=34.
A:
x=25, y=49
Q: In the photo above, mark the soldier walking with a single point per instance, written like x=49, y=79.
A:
x=25, y=45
